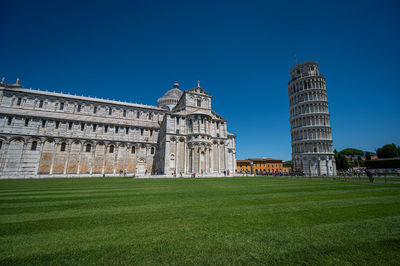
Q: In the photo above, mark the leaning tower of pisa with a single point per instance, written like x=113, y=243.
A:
x=312, y=151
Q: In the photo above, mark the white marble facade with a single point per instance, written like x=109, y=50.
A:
x=49, y=134
x=312, y=152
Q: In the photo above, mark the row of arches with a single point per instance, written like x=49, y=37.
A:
x=83, y=107
x=307, y=83
x=312, y=147
x=65, y=156
x=311, y=134
x=308, y=96
x=203, y=124
x=59, y=128
x=197, y=157
x=315, y=166
x=309, y=109
x=317, y=120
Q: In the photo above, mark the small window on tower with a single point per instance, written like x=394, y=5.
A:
x=88, y=147
x=124, y=113
x=61, y=106
x=41, y=104
x=112, y=149
x=199, y=102
x=34, y=145
x=133, y=150
x=19, y=101
x=152, y=150
x=95, y=109
x=79, y=108
x=63, y=145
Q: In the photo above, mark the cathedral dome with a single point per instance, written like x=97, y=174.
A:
x=171, y=98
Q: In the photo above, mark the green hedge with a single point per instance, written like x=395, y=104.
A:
x=383, y=163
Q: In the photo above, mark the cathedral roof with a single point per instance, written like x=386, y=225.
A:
x=174, y=93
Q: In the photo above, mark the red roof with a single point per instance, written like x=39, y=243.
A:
x=265, y=159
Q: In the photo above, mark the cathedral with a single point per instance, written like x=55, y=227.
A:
x=50, y=134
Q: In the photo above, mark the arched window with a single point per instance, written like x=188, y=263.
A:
x=79, y=108
x=133, y=150
x=199, y=102
x=152, y=150
x=63, y=145
x=33, y=146
x=112, y=149
x=138, y=115
x=88, y=147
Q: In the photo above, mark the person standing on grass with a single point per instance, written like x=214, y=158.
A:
x=369, y=174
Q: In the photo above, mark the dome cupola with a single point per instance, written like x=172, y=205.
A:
x=171, y=98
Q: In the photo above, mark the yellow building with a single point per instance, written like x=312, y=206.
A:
x=260, y=165
x=243, y=166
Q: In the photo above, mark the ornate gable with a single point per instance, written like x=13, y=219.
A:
x=199, y=91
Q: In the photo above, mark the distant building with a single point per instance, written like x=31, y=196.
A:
x=260, y=165
x=361, y=157
x=312, y=151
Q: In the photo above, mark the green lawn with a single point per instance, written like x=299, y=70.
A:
x=244, y=220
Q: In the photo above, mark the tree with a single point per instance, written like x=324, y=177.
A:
x=352, y=151
x=341, y=161
x=368, y=156
x=388, y=151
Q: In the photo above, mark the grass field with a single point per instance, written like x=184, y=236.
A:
x=198, y=221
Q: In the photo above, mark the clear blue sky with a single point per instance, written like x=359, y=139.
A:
x=240, y=50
